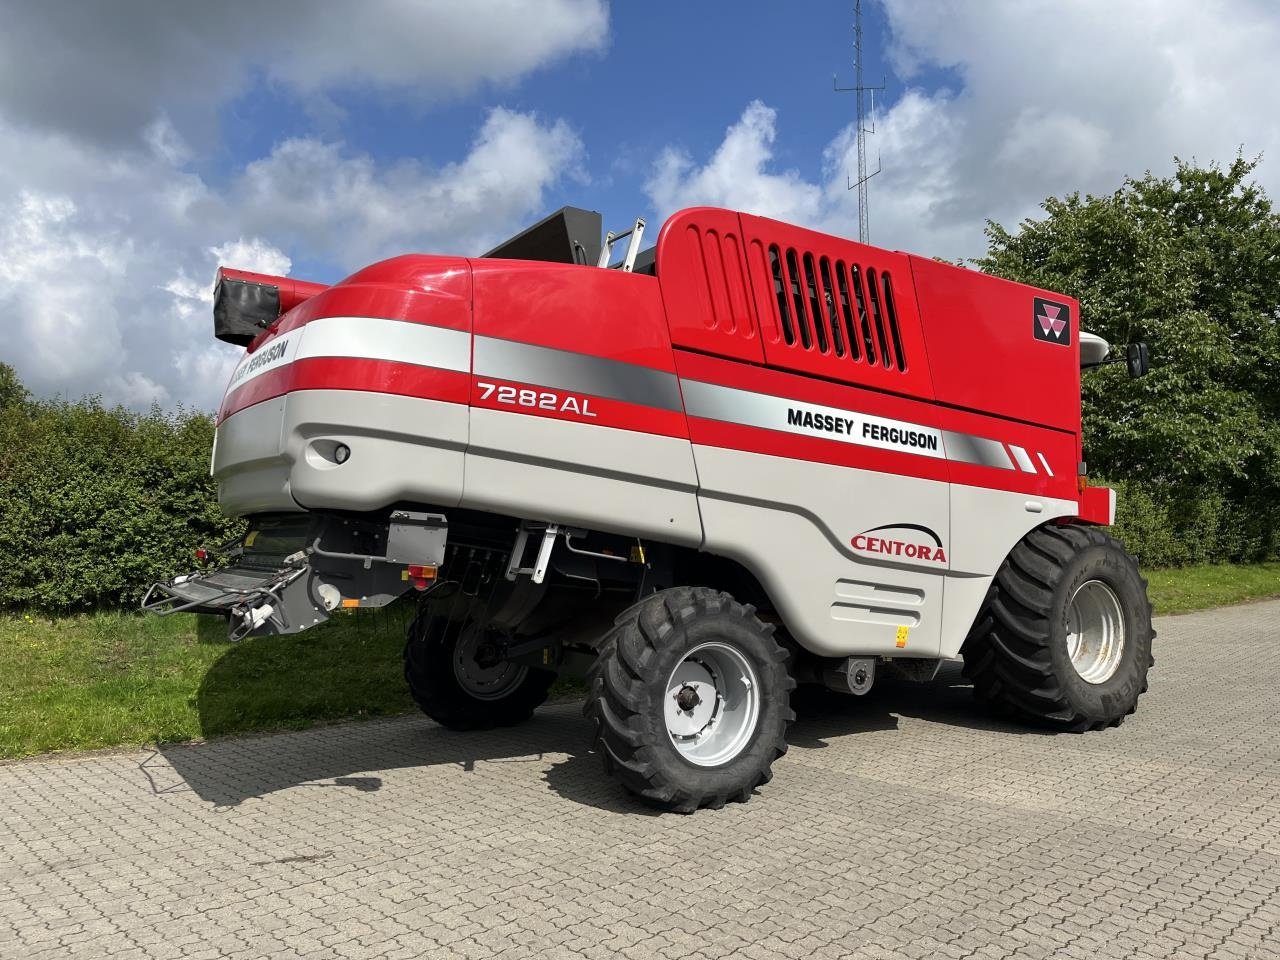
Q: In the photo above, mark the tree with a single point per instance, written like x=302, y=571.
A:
x=12, y=392
x=1191, y=264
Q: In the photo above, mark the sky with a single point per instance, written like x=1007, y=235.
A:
x=145, y=142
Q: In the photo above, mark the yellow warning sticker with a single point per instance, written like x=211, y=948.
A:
x=902, y=637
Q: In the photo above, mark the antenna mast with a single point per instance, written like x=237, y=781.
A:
x=860, y=90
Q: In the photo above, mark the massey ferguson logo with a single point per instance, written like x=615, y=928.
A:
x=901, y=540
x=259, y=361
x=1052, y=321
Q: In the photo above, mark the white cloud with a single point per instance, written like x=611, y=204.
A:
x=737, y=175
x=107, y=255
x=1051, y=98
x=96, y=69
x=108, y=236
x=345, y=208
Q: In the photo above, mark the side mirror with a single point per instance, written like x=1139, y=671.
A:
x=1138, y=360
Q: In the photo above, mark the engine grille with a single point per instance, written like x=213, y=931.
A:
x=836, y=308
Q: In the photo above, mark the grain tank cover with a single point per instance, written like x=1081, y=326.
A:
x=570, y=235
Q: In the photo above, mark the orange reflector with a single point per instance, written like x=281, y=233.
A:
x=349, y=603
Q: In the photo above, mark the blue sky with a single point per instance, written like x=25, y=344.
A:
x=142, y=142
x=669, y=74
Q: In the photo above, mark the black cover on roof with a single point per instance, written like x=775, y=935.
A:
x=570, y=235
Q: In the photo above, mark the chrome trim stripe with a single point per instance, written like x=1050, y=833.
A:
x=576, y=373
x=966, y=448
x=1023, y=458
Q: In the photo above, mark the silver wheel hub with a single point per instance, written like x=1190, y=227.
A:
x=712, y=704
x=479, y=672
x=1095, y=631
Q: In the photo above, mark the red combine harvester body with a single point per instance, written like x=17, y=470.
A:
x=759, y=456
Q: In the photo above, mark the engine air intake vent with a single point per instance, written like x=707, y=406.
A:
x=836, y=309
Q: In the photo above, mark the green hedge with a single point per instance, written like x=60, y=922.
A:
x=1166, y=525
x=96, y=502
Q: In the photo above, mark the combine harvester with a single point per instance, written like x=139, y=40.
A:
x=750, y=457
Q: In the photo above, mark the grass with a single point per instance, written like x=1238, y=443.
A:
x=112, y=679
x=1197, y=588
x=108, y=679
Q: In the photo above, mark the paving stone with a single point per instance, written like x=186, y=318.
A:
x=908, y=823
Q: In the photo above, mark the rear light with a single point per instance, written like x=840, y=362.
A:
x=420, y=576
x=202, y=554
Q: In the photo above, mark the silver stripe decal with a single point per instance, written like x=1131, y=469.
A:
x=713, y=401
x=402, y=341
x=1044, y=463
x=576, y=373
x=1023, y=458
x=374, y=338
x=966, y=448
x=360, y=338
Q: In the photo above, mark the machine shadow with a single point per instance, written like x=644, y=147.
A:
x=946, y=699
x=226, y=771
x=229, y=771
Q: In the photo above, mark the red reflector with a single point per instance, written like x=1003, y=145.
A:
x=202, y=554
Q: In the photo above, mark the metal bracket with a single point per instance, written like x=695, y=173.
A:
x=544, y=552
x=517, y=553
x=539, y=569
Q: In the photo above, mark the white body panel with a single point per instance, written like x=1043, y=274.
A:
x=794, y=524
x=620, y=481
x=268, y=457
x=791, y=522
x=985, y=525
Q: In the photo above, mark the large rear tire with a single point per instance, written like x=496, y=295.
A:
x=1064, y=636
x=458, y=684
x=689, y=697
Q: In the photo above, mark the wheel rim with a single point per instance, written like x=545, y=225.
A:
x=712, y=704
x=1095, y=631
x=479, y=674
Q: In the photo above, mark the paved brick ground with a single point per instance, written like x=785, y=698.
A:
x=906, y=825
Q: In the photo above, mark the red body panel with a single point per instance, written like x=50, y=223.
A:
x=701, y=261
x=345, y=373
x=781, y=383
x=1058, y=448
x=838, y=322
x=603, y=313
x=740, y=302
x=983, y=352
x=413, y=289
